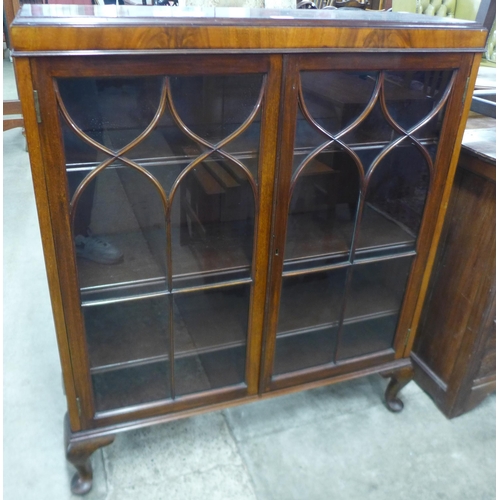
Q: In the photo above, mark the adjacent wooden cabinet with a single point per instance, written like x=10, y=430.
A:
x=454, y=353
x=235, y=204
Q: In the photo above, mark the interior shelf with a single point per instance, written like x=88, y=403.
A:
x=311, y=242
x=169, y=143
x=218, y=257
x=131, y=386
x=151, y=382
x=317, y=347
x=136, y=332
x=308, y=245
x=311, y=314
x=314, y=302
x=207, y=324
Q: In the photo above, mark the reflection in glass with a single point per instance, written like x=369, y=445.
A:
x=213, y=107
x=119, y=231
x=396, y=198
x=428, y=135
x=126, y=332
x=411, y=96
x=394, y=181
x=146, y=230
x=131, y=386
x=212, y=222
x=373, y=129
x=374, y=299
x=308, y=320
x=323, y=207
x=210, y=338
x=214, y=206
x=113, y=111
x=306, y=136
x=336, y=99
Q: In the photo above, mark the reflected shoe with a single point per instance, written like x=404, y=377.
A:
x=97, y=249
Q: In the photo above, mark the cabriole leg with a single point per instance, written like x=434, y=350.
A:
x=78, y=452
x=399, y=378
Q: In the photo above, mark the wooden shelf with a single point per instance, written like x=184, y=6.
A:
x=220, y=256
x=131, y=386
x=298, y=352
x=317, y=347
x=136, y=332
x=316, y=299
x=308, y=246
x=151, y=382
x=312, y=241
x=367, y=337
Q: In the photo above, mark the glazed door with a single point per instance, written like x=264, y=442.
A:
x=161, y=185
x=358, y=187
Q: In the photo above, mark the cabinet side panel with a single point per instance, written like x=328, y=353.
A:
x=36, y=153
x=487, y=367
x=462, y=275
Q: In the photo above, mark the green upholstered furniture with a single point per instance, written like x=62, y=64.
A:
x=461, y=9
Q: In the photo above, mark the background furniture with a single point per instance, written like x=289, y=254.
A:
x=12, y=114
x=275, y=212
x=454, y=352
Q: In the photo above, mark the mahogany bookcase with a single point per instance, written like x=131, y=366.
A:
x=273, y=185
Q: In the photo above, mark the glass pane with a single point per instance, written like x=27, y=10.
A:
x=412, y=95
x=210, y=338
x=395, y=203
x=126, y=332
x=79, y=154
x=374, y=129
x=429, y=134
x=336, y=99
x=128, y=350
x=307, y=136
x=213, y=107
x=367, y=336
x=131, y=386
x=322, y=211
x=150, y=215
x=119, y=234
x=373, y=301
x=308, y=320
x=212, y=216
x=113, y=111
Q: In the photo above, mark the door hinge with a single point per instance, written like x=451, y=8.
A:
x=79, y=406
x=408, y=333
x=37, y=106
x=466, y=89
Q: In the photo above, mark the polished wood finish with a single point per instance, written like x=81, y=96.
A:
x=10, y=8
x=451, y=158
x=78, y=453
x=135, y=29
x=399, y=379
x=25, y=89
x=200, y=315
x=12, y=108
x=454, y=353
